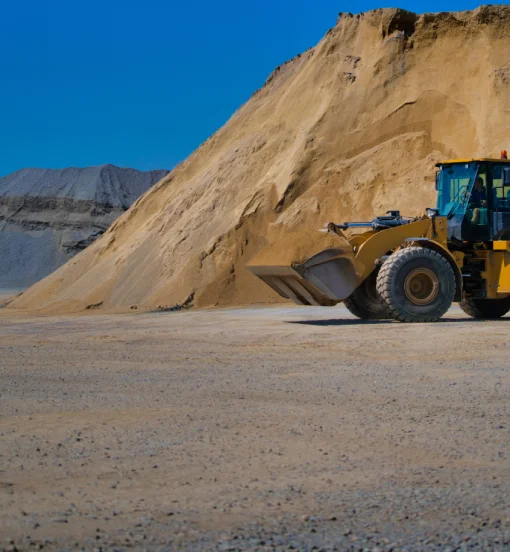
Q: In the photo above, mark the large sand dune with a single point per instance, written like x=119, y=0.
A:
x=346, y=130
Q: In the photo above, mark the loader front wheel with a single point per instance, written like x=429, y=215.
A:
x=417, y=284
x=365, y=303
x=485, y=308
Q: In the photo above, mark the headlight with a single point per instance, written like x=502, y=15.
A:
x=432, y=212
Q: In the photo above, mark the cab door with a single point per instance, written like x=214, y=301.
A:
x=499, y=182
x=476, y=225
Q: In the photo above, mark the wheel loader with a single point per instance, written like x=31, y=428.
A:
x=413, y=269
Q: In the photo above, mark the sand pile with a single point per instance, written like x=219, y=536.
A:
x=47, y=216
x=346, y=130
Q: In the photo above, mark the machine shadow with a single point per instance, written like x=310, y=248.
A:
x=340, y=322
x=357, y=321
x=474, y=320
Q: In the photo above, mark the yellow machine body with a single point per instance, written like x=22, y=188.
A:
x=330, y=276
x=333, y=274
x=477, y=248
x=497, y=270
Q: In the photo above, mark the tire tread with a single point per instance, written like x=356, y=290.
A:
x=359, y=304
x=485, y=309
x=385, y=284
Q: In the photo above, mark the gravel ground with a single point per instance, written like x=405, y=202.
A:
x=277, y=428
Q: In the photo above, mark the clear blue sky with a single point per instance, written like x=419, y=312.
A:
x=142, y=84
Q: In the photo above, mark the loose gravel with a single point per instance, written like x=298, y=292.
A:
x=253, y=429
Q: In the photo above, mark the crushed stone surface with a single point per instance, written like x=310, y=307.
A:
x=253, y=429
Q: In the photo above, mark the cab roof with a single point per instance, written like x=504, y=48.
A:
x=473, y=159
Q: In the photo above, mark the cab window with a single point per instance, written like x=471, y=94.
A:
x=500, y=186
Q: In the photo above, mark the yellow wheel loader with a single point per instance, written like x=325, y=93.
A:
x=412, y=270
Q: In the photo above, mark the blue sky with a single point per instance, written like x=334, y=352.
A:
x=142, y=84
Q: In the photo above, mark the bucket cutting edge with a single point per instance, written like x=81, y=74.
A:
x=324, y=279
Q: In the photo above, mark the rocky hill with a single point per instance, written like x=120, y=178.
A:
x=47, y=216
x=348, y=129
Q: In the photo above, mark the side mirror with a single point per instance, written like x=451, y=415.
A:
x=505, y=175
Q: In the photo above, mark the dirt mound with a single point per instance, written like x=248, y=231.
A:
x=48, y=216
x=346, y=130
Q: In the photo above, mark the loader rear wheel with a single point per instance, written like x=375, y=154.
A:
x=485, y=308
x=417, y=284
x=364, y=302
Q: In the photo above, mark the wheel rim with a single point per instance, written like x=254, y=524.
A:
x=421, y=286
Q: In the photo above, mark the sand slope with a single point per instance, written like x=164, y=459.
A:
x=349, y=129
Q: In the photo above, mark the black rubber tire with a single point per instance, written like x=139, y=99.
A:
x=485, y=309
x=365, y=303
x=391, y=284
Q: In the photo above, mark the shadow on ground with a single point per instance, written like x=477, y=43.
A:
x=358, y=321
x=341, y=322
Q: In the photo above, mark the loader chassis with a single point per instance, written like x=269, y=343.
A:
x=413, y=269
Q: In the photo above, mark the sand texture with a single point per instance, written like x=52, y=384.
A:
x=344, y=131
x=47, y=216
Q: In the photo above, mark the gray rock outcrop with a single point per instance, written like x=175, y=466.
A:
x=47, y=216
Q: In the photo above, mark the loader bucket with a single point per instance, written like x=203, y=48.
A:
x=323, y=280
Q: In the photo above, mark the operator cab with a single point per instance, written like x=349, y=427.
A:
x=475, y=196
